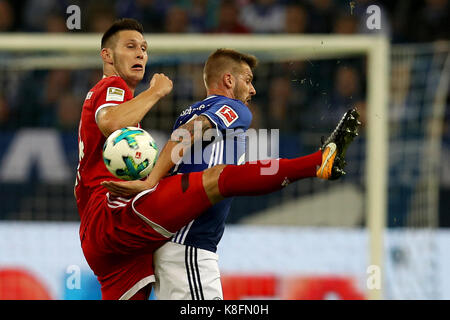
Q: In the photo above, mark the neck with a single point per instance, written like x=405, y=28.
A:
x=220, y=92
x=109, y=73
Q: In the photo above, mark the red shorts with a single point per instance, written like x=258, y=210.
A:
x=122, y=234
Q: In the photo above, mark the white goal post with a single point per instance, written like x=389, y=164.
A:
x=376, y=48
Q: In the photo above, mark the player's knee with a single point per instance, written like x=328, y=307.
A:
x=211, y=182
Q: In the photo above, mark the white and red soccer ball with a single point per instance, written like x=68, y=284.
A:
x=130, y=153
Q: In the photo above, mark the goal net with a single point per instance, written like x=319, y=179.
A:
x=418, y=103
x=330, y=235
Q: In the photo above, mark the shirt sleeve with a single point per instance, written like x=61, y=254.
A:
x=232, y=115
x=113, y=92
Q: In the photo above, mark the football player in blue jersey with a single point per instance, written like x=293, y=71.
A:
x=186, y=267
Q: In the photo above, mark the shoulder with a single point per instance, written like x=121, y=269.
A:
x=230, y=112
x=112, y=80
x=113, y=85
x=111, y=89
x=232, y=103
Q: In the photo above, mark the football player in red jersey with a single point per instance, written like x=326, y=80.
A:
x=109, y=106
x=121, y=229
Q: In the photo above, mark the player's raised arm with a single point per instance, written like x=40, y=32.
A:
x=130, y=113
x=124, y=56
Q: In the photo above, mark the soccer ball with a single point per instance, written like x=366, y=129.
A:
x=130, y=153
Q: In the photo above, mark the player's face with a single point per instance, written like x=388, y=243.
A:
x=244, y=89
x=130, y=55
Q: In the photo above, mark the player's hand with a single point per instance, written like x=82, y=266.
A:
x=161, y=84
x=126, y=188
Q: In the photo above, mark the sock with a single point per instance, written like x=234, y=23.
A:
x=249, y=179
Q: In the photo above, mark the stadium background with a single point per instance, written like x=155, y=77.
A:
x=40, y=109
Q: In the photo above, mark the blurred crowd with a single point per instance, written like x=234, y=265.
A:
x=293, y=96
x=295, y=88
x=404, y=20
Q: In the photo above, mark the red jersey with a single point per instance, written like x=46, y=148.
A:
x=118, y=235
x=91, y=169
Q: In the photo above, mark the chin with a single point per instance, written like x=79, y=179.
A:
x=136, y=78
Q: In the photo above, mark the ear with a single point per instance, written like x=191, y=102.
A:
x=106, y=55
x=228, y=80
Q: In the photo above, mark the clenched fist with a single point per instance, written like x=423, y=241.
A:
x=161, y=84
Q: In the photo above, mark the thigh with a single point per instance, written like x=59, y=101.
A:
x=186, y=273
x=120, y=273
x=119, y=247
x=173, y=203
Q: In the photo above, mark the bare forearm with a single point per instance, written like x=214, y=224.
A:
x=181, y=140
x=164, y=163
x=128, y=113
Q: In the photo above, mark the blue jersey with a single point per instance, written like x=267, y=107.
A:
x=225, y=144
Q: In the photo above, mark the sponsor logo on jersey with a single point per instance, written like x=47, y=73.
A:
x=115, y=94
x=190, y=110
x=227, y=114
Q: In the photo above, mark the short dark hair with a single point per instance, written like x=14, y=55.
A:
x=119, y=25
x=223, y=58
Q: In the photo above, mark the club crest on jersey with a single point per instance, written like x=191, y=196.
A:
x=115, y=94
x=227, y=114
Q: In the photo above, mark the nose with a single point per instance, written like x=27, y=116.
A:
x=139, y=54
x=252, y=90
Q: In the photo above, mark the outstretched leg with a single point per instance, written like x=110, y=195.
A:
x=248, y=180
x=179, y=199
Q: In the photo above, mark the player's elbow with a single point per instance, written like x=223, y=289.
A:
x=107, y=122
x=108, y=125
